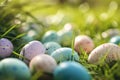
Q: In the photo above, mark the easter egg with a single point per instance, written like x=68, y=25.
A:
x=43, y=63
x=107, y=51
x=65, y=54
x=110, y=33
x=71, y=71
x=65, y=37
x=83, y=43
x=50, y=36
x=66, y=34
x=115, y=40
x=6, y=47
x=32, y=49
x=51, y=46
x=14, y=69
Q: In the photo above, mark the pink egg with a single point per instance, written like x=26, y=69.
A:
x=43, y=63
x=6, y=47
x=83, y=42
x=32, y=49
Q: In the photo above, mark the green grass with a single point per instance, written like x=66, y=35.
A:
x=85, y=22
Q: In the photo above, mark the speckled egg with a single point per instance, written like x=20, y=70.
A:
x=65, y=54
x=115, y=40
x=32, y=49
x=71, y=71
x=83, y=43
x=107, y=51
x=14, y=69
x=6, y=47
x=43, y=63
x=51, y=36
x=51, y=46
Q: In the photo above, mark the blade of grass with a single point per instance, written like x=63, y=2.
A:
x=8, y=30
x=20, y=35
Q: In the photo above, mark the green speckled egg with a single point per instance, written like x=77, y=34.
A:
x=65, y=54
x=14, y=69
x=51, y=46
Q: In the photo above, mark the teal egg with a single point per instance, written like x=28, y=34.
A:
x=14, y=69
x=115, y=40
x=50, y=36
x=65, y=54
x=51, y=46
x=71, y=71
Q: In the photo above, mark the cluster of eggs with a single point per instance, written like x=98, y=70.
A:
x=51, y=56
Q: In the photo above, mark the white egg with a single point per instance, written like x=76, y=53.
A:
x=32, y=49
x=83, y=43
x=106, y=51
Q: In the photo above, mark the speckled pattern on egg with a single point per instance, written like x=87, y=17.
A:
x=50, y=36
x=65, y=54
x=71, y=71
x=43, y=63
x=83, y=42
x=51, y=46
x=6, y=47
x=14, y=69
x=32, y=49
x=108, y=50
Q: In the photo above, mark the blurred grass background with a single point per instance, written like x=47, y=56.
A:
x=91, y=17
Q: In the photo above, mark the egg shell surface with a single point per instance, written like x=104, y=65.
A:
x=51, y=36
x=115, y=40
x=6, y=47
x=65, y=54
x=83, y=42
x=14, y=69
x=71, y=71
x=43, y=63
x=109, y=51
x=51, y=46
x=32, y=49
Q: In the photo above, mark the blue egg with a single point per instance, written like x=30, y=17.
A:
x=51, y=46
x=50, y=36
x=115, y=40
x=14, y=69
x=71, y=71
x=65, y=54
